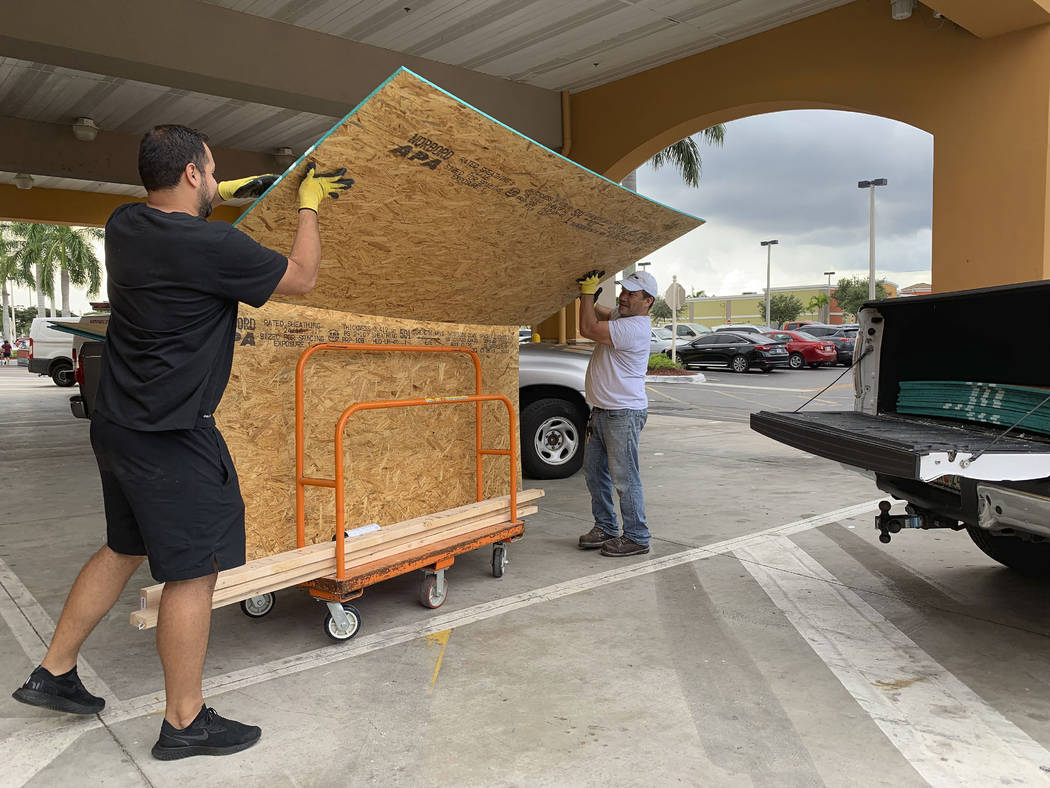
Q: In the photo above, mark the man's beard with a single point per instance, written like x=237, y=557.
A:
x=204, y=205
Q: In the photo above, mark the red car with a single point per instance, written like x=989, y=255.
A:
x=805, y=349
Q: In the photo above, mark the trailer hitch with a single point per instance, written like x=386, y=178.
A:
x=914, y=517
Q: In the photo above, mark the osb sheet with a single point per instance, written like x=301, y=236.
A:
x=455, y=217
x=401, y=462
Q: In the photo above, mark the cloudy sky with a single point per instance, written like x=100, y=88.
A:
x=793, y=176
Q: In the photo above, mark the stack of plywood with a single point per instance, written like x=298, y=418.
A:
x=456, y=231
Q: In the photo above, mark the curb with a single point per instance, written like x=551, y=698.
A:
x=697, y=378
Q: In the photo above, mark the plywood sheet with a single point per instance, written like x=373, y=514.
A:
x=455, y=217
x=400, y=463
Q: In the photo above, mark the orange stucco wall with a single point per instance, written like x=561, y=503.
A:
x=986, y=101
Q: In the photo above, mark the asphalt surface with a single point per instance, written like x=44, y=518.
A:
x=727, y=396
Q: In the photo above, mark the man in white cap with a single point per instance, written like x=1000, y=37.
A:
x=615, y=389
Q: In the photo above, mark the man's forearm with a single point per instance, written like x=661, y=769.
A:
x=588, y=319
x=306, y=247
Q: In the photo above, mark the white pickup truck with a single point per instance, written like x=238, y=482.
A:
x=989, y=480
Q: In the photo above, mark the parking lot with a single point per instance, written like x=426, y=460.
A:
x=726, y=396
x=767, y=639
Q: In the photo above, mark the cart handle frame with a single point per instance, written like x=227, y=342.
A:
x=301, y=481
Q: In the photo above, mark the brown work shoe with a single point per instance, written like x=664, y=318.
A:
x=594, y=538
x=622, y=546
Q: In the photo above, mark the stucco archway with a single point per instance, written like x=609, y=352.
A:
x=986, y=101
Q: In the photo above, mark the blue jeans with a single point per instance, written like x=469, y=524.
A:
x=610, y=461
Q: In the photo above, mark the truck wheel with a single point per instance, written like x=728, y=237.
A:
x=1028, y=558
x=552, y=434
x=63, y=375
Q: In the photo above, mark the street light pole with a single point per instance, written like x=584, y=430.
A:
x=871, y=232
x=769, y=249
x=829, y=274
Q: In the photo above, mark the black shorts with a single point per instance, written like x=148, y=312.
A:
x=171, y=495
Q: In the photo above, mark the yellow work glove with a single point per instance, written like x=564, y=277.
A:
x=589, y=282
x=246, y=187
x=314, y=186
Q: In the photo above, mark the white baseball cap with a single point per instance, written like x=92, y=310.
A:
x=640, y=280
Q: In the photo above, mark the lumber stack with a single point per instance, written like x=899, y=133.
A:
x=998, y=404
x=289, y=568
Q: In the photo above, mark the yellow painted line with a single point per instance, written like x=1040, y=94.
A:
x=832, y=388
x=666, y=396
x=442, y=638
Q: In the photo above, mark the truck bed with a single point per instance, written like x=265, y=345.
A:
x=908, y=447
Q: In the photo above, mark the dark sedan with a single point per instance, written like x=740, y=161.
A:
x=843, y=340
x=738, y=352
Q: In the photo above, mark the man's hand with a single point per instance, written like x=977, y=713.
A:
x=246, y=187
x=315, y=187
x=589, y=282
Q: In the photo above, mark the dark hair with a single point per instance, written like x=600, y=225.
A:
x=164, y=153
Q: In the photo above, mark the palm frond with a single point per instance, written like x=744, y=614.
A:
x=684, y=155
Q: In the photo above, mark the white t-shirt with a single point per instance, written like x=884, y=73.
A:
x=616, y=373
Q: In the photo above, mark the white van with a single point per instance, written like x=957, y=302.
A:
x=51, y=351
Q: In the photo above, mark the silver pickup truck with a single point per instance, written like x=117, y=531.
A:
x=987, y=479
x=553, y=413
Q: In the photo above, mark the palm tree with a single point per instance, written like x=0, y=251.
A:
x=10, y=270
x=817, y=303
x=684, y=155
x=34, y=251
x=43, y=247
x=77, y=260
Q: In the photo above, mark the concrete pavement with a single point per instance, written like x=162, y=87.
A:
x=768, y=639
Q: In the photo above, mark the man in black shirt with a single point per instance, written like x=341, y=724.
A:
x=168, y=480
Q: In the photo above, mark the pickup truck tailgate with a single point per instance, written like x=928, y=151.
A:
x=908, y=447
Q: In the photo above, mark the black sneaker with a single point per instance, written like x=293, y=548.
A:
x=61, y=693
x=594, y=538
x=622, y=546
x=208, y=734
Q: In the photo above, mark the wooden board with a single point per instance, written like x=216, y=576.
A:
x=400, y=463
x=455, y=217
x=361, y=544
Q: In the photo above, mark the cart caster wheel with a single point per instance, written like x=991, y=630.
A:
x=335, y=632
x=429, y=595
x=258, y=606
x=499, y=560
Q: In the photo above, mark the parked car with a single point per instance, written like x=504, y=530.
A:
x=737, y=351
x=741, y=327
x=804, y=349
x=553, y=409
x=821, y=329
x=844, y=340
x=795, y=325
x=658, y=343
x=524, y=335
x=664, y=332
x=688, y=331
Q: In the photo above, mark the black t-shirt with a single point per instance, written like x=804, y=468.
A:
x=174, y=281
